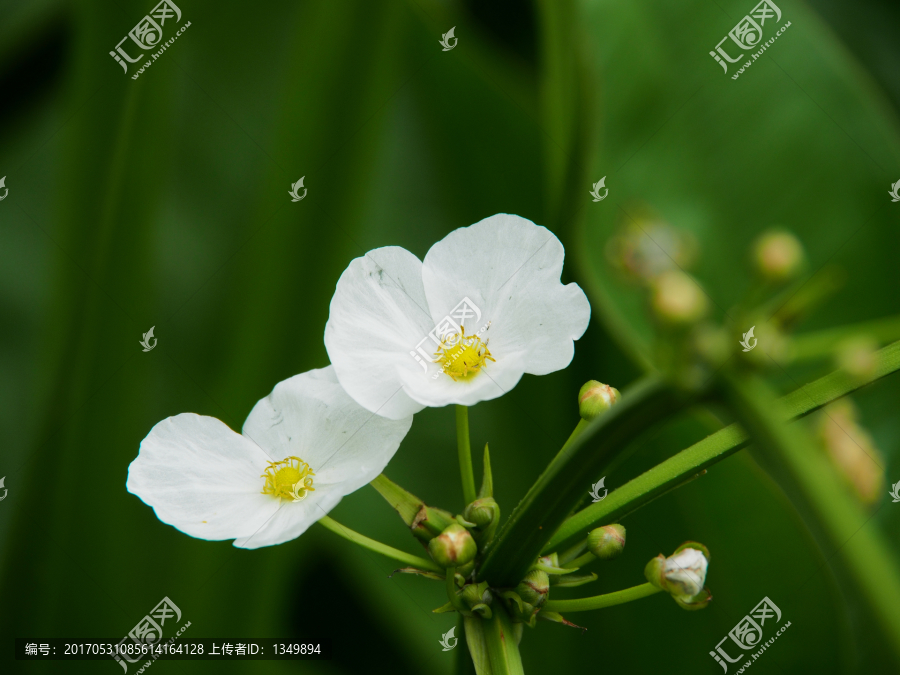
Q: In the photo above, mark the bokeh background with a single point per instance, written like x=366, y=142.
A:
x=163, y=202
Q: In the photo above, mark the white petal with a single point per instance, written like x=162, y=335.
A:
x=292, y=520
x=202, y=478
x=310, y=416
x=377, y=317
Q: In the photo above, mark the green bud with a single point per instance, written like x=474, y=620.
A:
x=481, y=512
x=429, y=522
x=607, y=542
x=520, y=611
x=454, y=547
x=485, y=513
x=534, y=588
x=857, y=357
x=595, y=398
x=678, y=299
x=778, y=256
x=478, y=598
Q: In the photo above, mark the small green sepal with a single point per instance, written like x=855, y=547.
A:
x=572, y=580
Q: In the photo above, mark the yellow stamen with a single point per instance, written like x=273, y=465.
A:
x=463, y=356
x=291, y=478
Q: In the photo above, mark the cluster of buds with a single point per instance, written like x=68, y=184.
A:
x=682, y=575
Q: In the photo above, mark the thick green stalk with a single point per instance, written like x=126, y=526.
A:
x=680, y=468
x=477, y=655
x=378, y=547
x=502, y=646
x=601, y=601
x=835, y=518
x=568, y=476
x=465, y=453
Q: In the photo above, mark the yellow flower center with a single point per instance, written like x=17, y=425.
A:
x=291, y=478
x=463, y=356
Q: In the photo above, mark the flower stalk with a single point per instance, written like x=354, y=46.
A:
x=602, y=601
x=465, y=453
x=378, y=547
x=502, y=644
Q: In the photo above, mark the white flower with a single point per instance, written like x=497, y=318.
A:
x=686, y=572
x=505, y=271
x=303, y=447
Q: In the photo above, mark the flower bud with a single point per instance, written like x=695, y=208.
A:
x=534, y=588
x=478, y=598
x=852, y=449
x=595, y=398
x=454, y=547
x=857, y=357
x=677, y=298
x=778, y=255
x=481, y=512
x=682, y=574
x=607, y=542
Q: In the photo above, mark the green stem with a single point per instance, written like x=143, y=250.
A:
x=580, y=561
x=502, y=646
x=688, y=463
x=465, y=453
x=477, y=655
x=601, y=601
x=378, y=547
x=560, y=487
x=570, y=554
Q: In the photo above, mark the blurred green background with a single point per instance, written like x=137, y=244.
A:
x=163, y=202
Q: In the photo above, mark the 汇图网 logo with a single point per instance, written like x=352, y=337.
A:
x=747, y=34
x=445, y=640
x=595, y=491
x=147, y=35
x=148, y=631
x=447, y=333
x=749, y=342
x=748, y=634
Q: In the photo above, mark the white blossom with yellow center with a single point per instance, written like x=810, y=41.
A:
x=388, y=300
x=303, y=447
